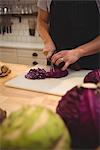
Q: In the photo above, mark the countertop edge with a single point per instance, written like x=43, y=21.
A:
x=4, y=44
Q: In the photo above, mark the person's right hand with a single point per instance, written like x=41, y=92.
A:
x=49, y=49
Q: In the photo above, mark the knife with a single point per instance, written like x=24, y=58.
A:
x=57, y=66
x=52, y=66
x=49, y=62
x=52, y=69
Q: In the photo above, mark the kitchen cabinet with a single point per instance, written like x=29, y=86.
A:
x=8, y=55
x=31, y=56
x=22, y=56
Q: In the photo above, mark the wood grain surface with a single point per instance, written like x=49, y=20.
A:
x=12, y=99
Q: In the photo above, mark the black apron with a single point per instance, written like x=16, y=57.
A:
x=72, y=24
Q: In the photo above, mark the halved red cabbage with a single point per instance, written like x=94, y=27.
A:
x=80, y=110
x=42, y=74
x=57, y=73
x=93, y=76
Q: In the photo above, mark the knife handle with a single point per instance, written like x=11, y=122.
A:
x=60, y=65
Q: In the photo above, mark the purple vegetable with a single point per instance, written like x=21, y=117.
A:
x=80, y=110
x=42, y=74
x=93, y=76
x=58, y=73
x=36, y=74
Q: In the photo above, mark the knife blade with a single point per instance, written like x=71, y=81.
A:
x=52, y=68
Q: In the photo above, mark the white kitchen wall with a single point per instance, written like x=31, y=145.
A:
x=20, y=32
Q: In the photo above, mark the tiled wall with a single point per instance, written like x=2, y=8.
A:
x=20, y=32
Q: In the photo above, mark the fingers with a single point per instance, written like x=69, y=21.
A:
x=65, y=66
x=49, y=49
x=59, y=61
x=67, y=63
x=60, y=57
x=50, y=53
x=69, y=57
x=56, y=57
x=45, y=52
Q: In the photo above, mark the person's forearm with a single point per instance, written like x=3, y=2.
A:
x=42, y=27
x=89, y=48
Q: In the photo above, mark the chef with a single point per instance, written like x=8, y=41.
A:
x=72, y=29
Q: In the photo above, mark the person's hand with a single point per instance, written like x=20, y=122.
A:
x=68, y=56
x=49, y=49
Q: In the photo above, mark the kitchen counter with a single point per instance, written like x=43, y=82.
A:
x=12, y=99
x=21, y=45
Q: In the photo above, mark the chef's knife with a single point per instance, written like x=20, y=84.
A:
x=49, y=62
x=52, y=65
x=57, y=66
x=52, y=68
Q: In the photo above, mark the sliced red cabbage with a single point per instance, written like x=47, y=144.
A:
x=36, y=74
x=93, y=76
x=80, y=110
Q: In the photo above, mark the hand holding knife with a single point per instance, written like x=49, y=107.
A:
x=49, y=54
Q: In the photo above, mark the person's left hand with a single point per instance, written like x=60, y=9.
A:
x=68, y=56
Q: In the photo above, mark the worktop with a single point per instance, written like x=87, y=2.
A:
x=12, y=99
x=6, y=44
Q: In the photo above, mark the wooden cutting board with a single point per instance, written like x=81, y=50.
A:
x=50, y=85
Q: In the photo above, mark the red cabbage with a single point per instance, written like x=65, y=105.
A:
x=36, y=74
x=42, y=74
x=80, y=110
x=57, y=73
x=93, y=76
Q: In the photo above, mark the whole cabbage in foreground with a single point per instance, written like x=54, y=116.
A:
x=34, y=129
x=93, y=76
x=80, y=110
